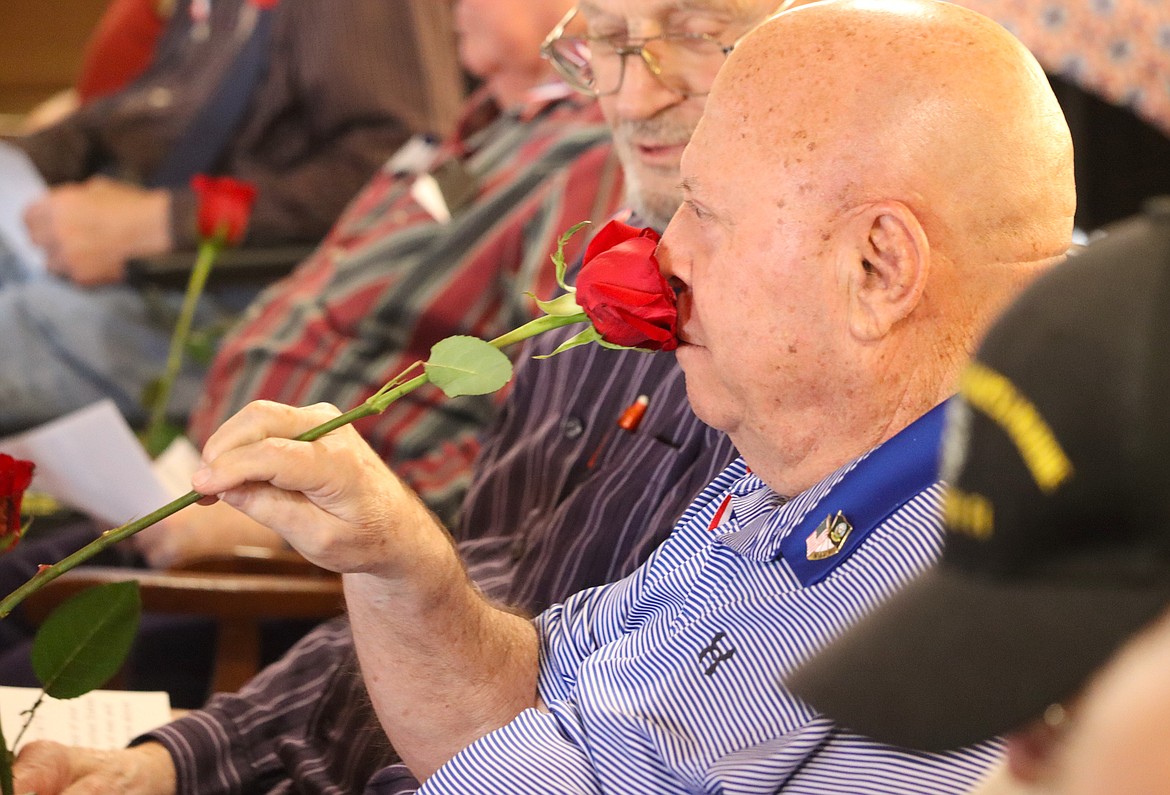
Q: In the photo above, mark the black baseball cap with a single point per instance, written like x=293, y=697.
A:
x=1057, y=452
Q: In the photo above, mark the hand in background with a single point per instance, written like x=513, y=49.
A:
x=90, y=229
x=49, y=768
x=201, y=531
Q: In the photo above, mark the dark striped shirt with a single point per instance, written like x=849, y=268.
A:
x=540, y=524
x=389, y=282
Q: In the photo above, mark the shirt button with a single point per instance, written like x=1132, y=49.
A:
x=518, y=549
x=572, y=427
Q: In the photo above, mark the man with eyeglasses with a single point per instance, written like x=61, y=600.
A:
x=651, y=65
x=831, y=285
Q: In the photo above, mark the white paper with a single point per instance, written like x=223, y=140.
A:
x=175, y=466
x=106, y=719
x=20, y=185
x=91, y=461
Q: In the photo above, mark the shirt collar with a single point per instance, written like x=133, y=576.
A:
x=758, y=519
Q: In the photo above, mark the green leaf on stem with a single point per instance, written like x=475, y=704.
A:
x=467, y=366
x=85, y=641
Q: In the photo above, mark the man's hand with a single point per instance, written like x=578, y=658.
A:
x=201, y=532
x=461, y=667
x=88, y=230
x=49, y=768
x=334, y=499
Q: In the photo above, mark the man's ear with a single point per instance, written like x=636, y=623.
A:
x=886, y=264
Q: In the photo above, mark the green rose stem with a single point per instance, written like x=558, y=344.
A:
x=376, y=404
x=208, y=252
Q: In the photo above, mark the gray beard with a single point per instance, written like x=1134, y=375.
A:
x=654, y=209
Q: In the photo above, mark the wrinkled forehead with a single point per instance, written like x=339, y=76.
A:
x=660, y=13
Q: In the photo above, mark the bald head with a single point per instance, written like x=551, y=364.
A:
x=872, y=180
x=920, y=101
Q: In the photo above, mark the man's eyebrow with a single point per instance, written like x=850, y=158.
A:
x=729, y=8
x=688, y=185
x=713, y=7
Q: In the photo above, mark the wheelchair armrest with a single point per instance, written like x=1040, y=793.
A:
x=248, y=266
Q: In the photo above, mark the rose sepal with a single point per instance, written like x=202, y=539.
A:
x=584, y=338
x=558, y=257
x=7, y=542
x=562, y=306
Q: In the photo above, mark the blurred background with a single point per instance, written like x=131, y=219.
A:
x=44, y=43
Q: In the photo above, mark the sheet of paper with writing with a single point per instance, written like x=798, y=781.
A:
x=99, y=719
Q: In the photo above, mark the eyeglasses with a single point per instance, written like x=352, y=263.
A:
x=683, y=62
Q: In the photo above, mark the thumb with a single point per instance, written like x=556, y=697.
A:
x=43, y=767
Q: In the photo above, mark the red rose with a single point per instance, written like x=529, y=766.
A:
x=223, y=203
x=622, y=292
x=15, y=475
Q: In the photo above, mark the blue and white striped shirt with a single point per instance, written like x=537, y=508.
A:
x=669, y=680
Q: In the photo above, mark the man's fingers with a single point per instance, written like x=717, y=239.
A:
x=263, y=419
x=274, y=508
x=41, y=768
x=48, y=768
x=256, y=446
x=283, y=463
x=38, y=220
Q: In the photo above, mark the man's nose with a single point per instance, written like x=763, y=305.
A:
x=676, y=269
x=642, y=95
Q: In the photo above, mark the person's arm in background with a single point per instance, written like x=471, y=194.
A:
x=352, y=67
x=49, y=768
x=121, y=46
x=89, y=228
x=340, y=95
x=233, y=743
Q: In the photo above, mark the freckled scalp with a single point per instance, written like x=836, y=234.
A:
x=921, y=101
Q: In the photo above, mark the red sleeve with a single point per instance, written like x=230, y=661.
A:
x=120, y=47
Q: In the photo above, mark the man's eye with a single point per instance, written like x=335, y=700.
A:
x=611, y=35
x=712, y=31
x=699, y=213
x=696, y=24
x=605, y=45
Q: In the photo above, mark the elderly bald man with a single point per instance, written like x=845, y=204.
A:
x=870, y=183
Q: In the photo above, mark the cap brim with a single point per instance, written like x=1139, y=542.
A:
x=954, y=660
